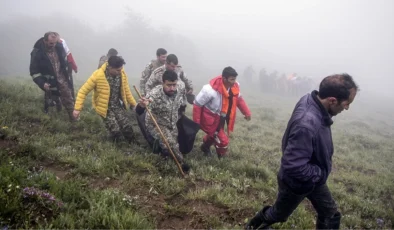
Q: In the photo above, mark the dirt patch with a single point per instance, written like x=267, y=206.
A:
x=7, y=144
x=103, y=183
x=61, y=171
x=308, y=205
x=178, y=222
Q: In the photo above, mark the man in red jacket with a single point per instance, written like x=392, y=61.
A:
x=215, y=105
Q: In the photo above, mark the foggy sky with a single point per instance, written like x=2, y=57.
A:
x=313, y=38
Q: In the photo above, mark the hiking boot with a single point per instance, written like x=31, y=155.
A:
x=221, y=152
x=115, y=137
x=329, y=223
x=185, y=168
x=259, y=221
x=206, y=150
x=130, y=137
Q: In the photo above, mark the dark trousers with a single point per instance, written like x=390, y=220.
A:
x=287, y=201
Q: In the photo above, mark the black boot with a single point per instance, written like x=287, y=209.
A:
x=329, y=223
x=335, y=221
x=206, y=149
x=115, y=137
x=260, y=220
x=130, y=137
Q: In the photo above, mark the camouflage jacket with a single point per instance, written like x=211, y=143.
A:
x=155, y=79
x=114, y=92
x=154, y=64
x=102, y=60
x=164, y=108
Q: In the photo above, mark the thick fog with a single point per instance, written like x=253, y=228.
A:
x=311, y=38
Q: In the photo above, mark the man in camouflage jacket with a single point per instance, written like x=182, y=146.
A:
x=161, y=55
x=164, y=102
x=171, y=64
x=104, y=58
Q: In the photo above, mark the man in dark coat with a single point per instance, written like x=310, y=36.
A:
x=48, y=68
x=307, y=155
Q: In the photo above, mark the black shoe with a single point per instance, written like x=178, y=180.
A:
x=259, y=221
x=185, y=168
x=206, y=150
x=329, y=223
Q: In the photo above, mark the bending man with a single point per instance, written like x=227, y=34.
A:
x=111, y=97
x=215, y=105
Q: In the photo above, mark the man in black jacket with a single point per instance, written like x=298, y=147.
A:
x=48, y=68
x=307, y=155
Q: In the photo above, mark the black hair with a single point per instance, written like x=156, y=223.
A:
x=171, y=58
x=160, y=52
x=112, y=52
x=229, y=72
x=169, y=75
x=116, y=61
x=338, y=86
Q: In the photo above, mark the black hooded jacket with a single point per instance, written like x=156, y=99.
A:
x=41, y=68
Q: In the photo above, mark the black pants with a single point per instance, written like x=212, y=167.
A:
x=287, y=201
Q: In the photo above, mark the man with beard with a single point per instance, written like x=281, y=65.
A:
x=48, y=68
x=164, y=102
x=307, y=152
x=172, y=65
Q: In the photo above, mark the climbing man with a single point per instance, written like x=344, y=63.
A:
x=216, y=105
x=111, y=97
x=307, y=152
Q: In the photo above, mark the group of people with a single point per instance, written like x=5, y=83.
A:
x=165, y=91
x=289, y=85
x=281, y=84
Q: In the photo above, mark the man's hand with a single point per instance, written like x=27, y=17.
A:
x=46, y=86
x=76, y=114
x=143, y=102
x=248, y=118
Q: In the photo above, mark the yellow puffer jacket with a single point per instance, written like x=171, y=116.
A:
x=99, y=83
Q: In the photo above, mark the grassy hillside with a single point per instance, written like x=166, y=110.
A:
x=54, y=175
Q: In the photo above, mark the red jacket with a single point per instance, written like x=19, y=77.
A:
x=208, y=104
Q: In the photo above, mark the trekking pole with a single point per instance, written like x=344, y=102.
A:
x=162, y=135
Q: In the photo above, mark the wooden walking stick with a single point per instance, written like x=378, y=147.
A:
x=162, y=135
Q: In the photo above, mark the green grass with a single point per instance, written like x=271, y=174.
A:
x=103, y=185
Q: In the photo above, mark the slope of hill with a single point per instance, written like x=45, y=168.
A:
x=57, y=175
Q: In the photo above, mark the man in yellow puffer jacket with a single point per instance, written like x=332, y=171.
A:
x=111, y=97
